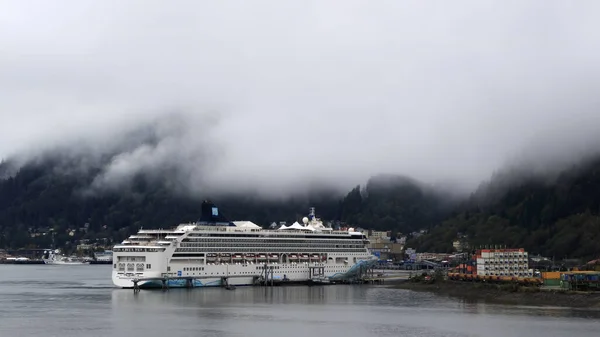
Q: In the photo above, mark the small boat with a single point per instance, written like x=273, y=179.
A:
x=55, y=258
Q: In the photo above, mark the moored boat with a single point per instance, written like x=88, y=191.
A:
x=214, y=249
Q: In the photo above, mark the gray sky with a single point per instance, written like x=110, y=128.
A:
x=285, y=91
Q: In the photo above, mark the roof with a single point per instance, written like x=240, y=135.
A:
x=298, y=226
x=246, y=224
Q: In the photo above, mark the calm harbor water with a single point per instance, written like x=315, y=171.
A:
x=40, y=300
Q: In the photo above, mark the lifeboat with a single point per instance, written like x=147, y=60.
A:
x=304, y=257
x=293, y=257
x=211, y=257
x=273, y=257
x=250, y=257
x=225, y=257
x=237, y=257
x=315, y=257
x=262, y=257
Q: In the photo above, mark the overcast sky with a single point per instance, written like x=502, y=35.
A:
x=284, y=91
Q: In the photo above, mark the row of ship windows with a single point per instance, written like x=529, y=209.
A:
x=361, y=252
x=206, y=273
x=290, y=246
x=271, y=236
x=251, y=273
x=287, y=267
x=139, y=250
x=194, y=269
x=274, y=249
x=271, y=264
x=265, y=241
x=279, y=242
x=297, y=266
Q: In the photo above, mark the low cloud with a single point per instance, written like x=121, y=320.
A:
x=276, y=97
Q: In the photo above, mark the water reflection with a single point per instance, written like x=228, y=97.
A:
x=85, y=305
x=299, y=295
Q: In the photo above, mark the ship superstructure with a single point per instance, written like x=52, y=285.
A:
x=214, y=248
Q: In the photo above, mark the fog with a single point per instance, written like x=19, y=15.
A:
x=277, y=96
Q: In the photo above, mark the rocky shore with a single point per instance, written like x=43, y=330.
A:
x=506, y=294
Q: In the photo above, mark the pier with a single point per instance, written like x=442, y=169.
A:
x=374, y=276
x=13, y=261
x=266, y=278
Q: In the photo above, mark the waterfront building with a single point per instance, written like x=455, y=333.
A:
x=503, y=262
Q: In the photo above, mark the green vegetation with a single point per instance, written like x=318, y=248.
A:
x=395, y=203
x=437, y=277
x=558, y=218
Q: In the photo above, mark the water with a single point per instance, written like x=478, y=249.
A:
x=40, y=300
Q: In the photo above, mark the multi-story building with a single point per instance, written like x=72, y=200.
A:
x=503, y=262
x=386, y=251
x=379, y=236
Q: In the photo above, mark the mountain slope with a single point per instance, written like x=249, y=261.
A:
x=559, y=218
x=398, y=203
x=41, y=196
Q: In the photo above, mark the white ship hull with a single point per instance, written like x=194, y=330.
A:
x=214, y=275
x=237, y=253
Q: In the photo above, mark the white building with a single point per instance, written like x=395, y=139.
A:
x=503, y=262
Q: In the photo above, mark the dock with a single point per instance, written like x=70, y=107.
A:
x=266, y=278
x=3, y=261
x=386, y=276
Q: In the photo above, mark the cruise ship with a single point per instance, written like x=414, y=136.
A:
x=213, y=249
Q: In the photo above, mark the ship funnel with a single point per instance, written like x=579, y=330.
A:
x=311, y=213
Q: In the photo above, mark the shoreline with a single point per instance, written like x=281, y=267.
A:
x=505, y=294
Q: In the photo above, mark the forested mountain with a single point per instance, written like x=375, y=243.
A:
x=397, y=203
x=555, y=217
x=39, y=197
x=42, y=195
